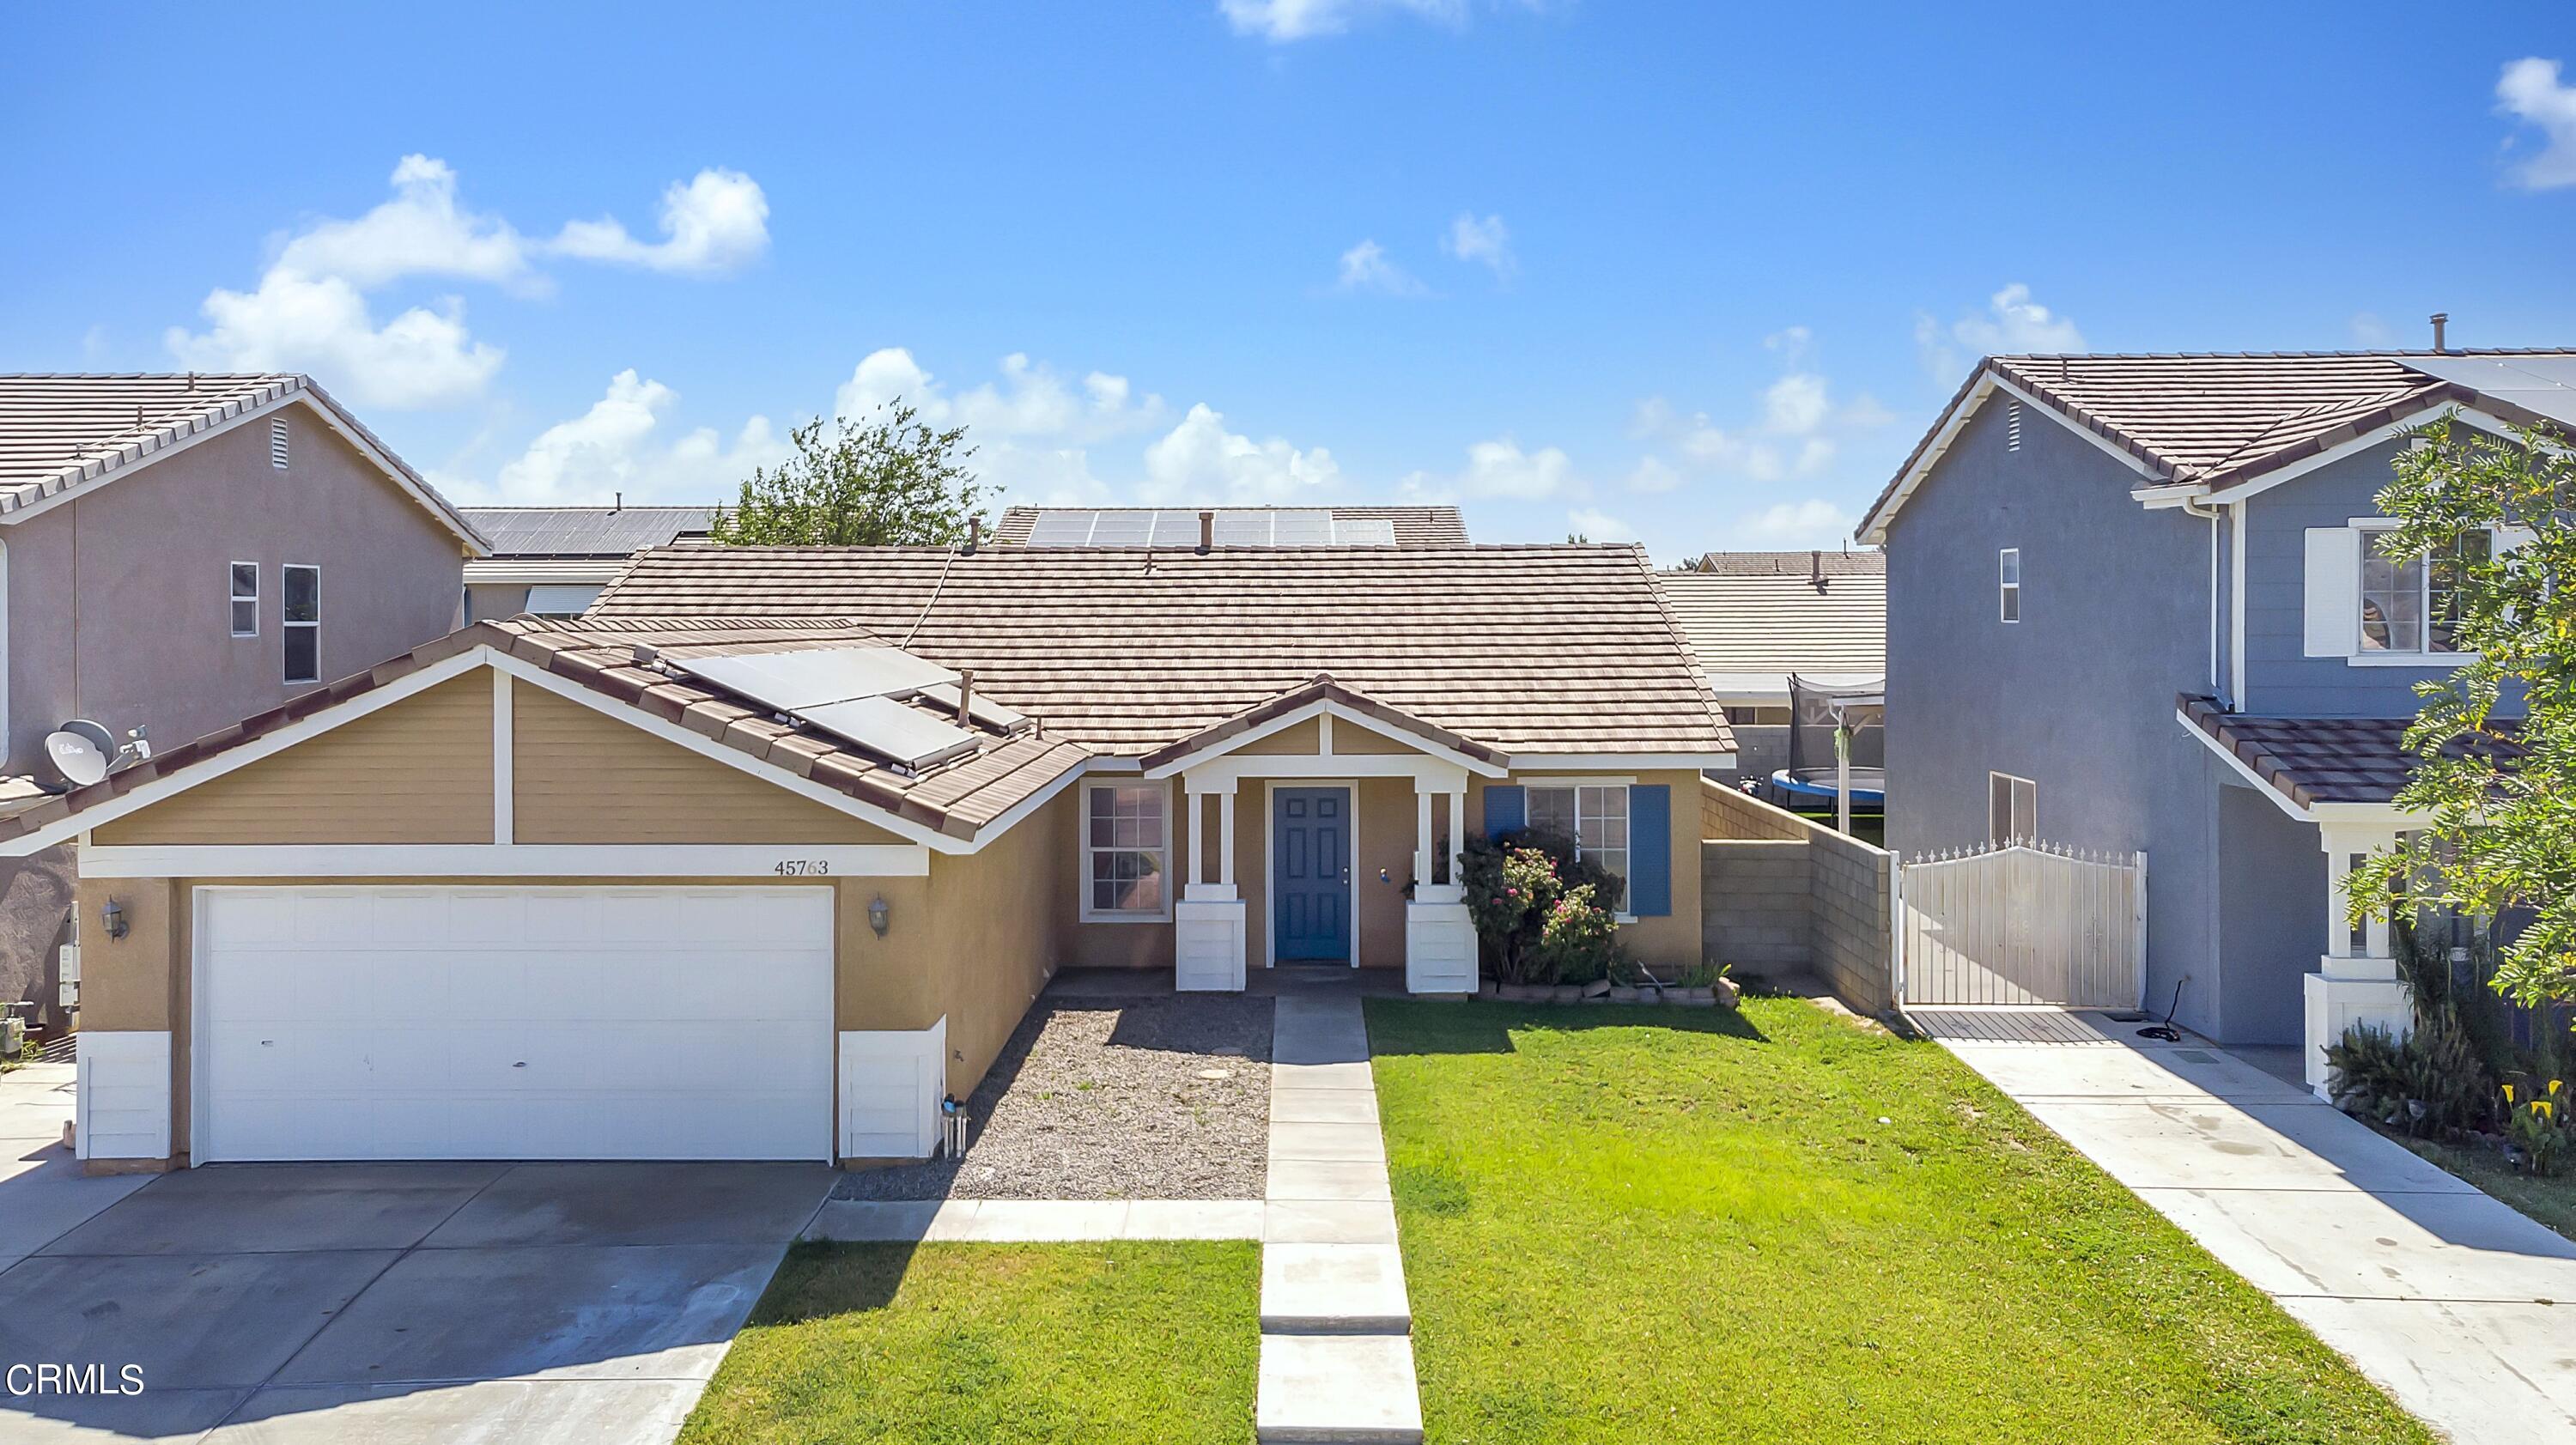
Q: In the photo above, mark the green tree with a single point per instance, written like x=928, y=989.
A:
x=2494, y=515
x=890, y=481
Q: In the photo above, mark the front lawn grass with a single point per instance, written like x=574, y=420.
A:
x=960, y=1343
x=1638, y=1225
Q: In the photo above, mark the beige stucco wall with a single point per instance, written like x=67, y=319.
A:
x=417, y=771
x=1673, y=939
x=582, y=776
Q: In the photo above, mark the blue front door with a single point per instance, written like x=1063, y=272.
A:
x=1310, y=852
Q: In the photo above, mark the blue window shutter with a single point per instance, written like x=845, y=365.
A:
x=1506, y=811
x=1650, y=850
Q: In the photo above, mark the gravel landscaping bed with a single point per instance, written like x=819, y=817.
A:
x=1111, y=1098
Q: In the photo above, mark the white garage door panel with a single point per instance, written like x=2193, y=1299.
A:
x=515, y=1023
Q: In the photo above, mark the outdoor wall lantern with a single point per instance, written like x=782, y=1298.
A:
x=878, y=914
x=112, y=917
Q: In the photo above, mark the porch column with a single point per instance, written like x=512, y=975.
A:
x=1207, y=922
x=1457, y=832
x=1439, y=937
x=2356, y=980
x=1423, y=851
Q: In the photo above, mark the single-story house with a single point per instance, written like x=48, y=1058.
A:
x=772, y=848
x=553, y=561
x=1755, y=619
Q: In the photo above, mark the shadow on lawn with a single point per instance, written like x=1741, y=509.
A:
x=1482, y=1026
x=821, y=1280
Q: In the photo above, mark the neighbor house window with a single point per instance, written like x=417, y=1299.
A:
x=2012, y=808
x=2009, y=568
x=1757, y=717
x=302, y=618
x=245, y=599
x=1126, y=852
x=2412, y=604
x=1593, y=815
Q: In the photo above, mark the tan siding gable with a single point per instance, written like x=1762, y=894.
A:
x=584, y=777
x=1305, y=739
x=1350, y=737
x=417, y=771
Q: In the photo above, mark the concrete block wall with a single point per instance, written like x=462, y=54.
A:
x=1779, y=893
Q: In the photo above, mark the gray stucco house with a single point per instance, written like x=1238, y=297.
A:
x=555, y=561
x=178, y=552
x=2133, y=605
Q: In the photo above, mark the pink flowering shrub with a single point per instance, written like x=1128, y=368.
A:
x=1537, y=910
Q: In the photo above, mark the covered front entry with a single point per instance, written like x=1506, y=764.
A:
x=1310, y=874
x=475, y=1022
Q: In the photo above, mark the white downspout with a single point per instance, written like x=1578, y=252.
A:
x=2213, y=514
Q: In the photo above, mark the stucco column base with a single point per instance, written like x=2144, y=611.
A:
x=2351, y=993
x=1207, y=945
x=1439, y=948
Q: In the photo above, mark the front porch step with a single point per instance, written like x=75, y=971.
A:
x=1333, y=1289
x=1337, y=1390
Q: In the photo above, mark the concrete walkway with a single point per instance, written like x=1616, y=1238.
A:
x=1336, y=1326
x=2454, y=1303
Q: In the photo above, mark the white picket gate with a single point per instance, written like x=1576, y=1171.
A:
x=2023, y=923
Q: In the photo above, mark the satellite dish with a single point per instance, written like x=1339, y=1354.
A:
x=80, y=751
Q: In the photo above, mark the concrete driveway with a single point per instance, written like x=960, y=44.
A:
x=2454, y=1303
x=387, y=1302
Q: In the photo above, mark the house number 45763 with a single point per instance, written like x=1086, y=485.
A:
x=802, y=868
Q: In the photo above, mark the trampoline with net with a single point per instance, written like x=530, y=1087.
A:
x=1816, y=715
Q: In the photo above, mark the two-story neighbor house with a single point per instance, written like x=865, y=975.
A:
x=179, y=552
x=2133, y=603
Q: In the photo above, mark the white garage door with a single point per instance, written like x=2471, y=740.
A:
x=514, y=1023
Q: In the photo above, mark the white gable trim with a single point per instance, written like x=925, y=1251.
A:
x=1873, y=528
x=1327, y=709
x=414, y=683
x=297, y=394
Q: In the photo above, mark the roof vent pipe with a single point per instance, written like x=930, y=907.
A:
x=2441, y=326
x=965, y=696
x=1207, y=532
x=974, y=534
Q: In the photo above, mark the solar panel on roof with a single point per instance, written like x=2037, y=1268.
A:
x=798, y=680
x=1243, y=529
x=1061, y=528
x=2545, y=384
x=984, y=709
x=1364, y=531
x=1301, y=529
x=1123, y=529
x=882, y=725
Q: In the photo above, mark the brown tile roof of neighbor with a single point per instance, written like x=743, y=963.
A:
x=60, y=432
x=584, y=531
x=619, y=660
x=2311, y=760
x=1544, y=649
x=2213, y=419
x=1408, y=526
x=1783, y=612
x=1322, y=689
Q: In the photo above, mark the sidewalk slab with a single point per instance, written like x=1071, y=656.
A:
x=1329, y=1179
x=1334, y=1289
x=1360, y=1143
x=1338, y=1390
x=1323, y=1106
x=1328, y=1221
x=2351, y=1244
x=1287, y=1077
x=2213, y=1144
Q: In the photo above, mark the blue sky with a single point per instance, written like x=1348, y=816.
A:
x=1693, y=273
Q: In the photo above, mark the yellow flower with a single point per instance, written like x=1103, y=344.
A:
x=2508, y=1093
x=2555, y=1085
x=2542, y=1108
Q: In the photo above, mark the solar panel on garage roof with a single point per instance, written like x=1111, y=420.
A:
x=850, y=692
x=983, y=709
x=882, y=725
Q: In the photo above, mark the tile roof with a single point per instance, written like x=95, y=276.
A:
x=60, y=432
x=1544, y=649
x=584, y=531
x=619, y=660
x=2311, y=760
x=1413, y=526
x=2214, y=419
x=1322, y=689
x=1768, y=612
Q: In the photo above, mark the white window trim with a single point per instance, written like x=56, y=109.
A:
x=2421, y=659
x=2032, y=783
x=1084, y=849
x=2008, y=586
x=286, y=624
x=233, y=597
x=1625, y=784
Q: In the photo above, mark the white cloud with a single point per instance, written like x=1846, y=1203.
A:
x=1366, y=267
x=1653, y=474
x=2529, y=89
x=422, y=357
x=618, y=446
x=1488, y=241
x=1031, y=400
x=1280, y=21
x=1499, y=469
x=1200, y=461
x=2012, y=325
x=310, y=312
x=1788, y=526
x=717, y=220
x=1595, y=525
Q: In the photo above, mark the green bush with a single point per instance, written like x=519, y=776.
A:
x=2430, y=1083
x=1540, y=912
